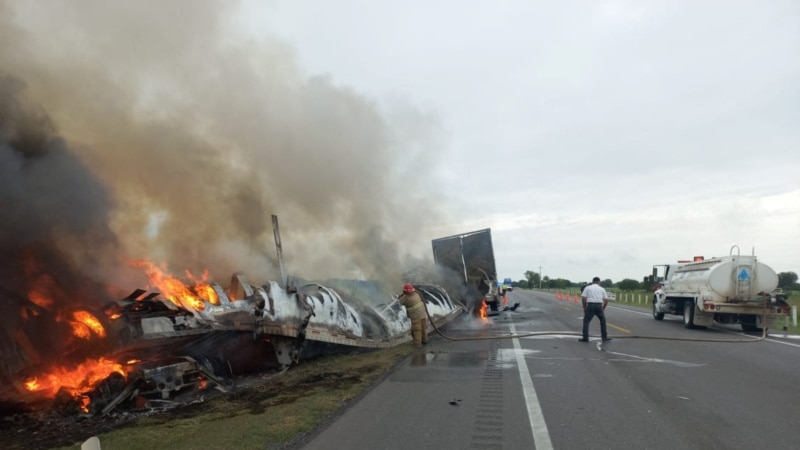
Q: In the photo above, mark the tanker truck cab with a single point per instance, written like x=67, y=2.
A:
x=679, y=299
x=733, y=289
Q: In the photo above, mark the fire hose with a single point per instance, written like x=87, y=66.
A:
x=573, y=333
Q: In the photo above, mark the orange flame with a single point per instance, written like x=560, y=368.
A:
x=176, y=291
x=76, y=381
x=208, y=292
x=40, y=299
x=483, y=309
x=202, y=287
x=43, y=285
x=84, y=401
x=85, y=324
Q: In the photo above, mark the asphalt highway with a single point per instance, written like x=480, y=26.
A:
x=553, y=392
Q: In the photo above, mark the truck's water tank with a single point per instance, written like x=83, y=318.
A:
x=732, y=277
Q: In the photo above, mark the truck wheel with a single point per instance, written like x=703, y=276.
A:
x=657, y=315
x=688, y=314
x=749, y=323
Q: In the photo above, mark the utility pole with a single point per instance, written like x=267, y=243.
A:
x=540, y=278
x=277, y=234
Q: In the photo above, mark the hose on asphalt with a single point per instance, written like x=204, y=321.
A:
x=573, y=333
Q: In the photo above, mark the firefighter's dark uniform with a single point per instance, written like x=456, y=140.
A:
x=415, y=309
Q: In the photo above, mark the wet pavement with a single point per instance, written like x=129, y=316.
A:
x=479, y=394
x=449, y=394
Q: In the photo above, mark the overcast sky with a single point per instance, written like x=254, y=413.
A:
x=592, y=137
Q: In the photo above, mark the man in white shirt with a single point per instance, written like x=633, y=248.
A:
x=595, y=300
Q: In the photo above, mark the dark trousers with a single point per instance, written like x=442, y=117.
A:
x=594, y=309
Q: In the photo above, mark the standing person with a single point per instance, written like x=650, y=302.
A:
x=595, y=300
x=415, y=309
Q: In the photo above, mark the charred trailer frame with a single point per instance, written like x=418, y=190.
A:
x=471, y=256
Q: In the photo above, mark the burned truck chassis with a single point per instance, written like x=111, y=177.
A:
x=171, y=350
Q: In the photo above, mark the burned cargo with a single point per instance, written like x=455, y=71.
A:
x=154, y=346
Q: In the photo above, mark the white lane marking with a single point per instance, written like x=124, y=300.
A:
x=541, y=438
x=727, y=331
x=778, y=342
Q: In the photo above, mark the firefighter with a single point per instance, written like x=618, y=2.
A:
x=415, y=309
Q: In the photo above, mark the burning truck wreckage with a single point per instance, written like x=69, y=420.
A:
x=149, y=348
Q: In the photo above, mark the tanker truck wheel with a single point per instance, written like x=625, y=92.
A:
x=749, y=323
x=688, y=314
x=657, y=315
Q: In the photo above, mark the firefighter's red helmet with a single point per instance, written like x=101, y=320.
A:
x=408, y=288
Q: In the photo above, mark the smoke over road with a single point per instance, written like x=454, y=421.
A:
x=156, y=130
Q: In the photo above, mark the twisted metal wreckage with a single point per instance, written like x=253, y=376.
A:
x=294, y=323
x=168, y=349
x=156, y=347
x=153, y=350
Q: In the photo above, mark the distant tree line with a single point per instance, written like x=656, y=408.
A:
x=532, y=280
x=786, y=281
